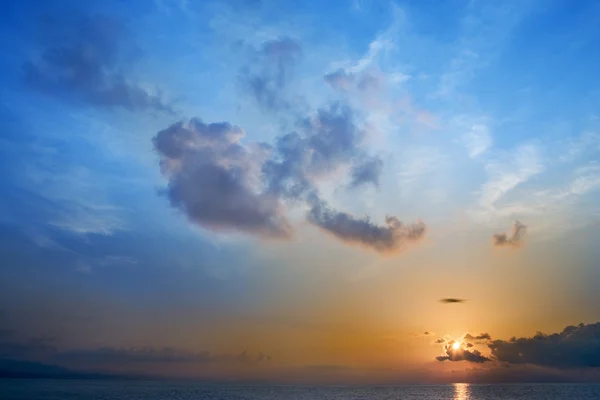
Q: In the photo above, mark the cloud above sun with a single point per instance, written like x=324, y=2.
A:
x=222, y=183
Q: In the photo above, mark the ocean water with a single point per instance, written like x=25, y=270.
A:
x=26, y=389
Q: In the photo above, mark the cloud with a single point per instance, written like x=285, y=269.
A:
x=461, y=353
x=367, y=172
x=452, y=300
x=507, y=174
x=480, y=337
x=477, y=140
x=514, y=240
x=113, y=356
x=346, y=81
x=270, y=72
x=323, y=143
x=384, y=239
x=41, y=347
x=214, y=179
x=218, y=190
x=83, y=58
x=574, y=347
x=221, y=184
x=340, y=79
x=13, y=347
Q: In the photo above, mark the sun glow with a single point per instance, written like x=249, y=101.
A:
x=456, y=345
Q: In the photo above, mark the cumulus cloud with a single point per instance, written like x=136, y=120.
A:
x=271, y=71
x=384, y=239
x=574, y=347
x=452, y=300
x=222, y=184
x=214, y=179
x=464, y=352
x=83, y=58
x=515, y=239
x=219, y=183
x=322, y=144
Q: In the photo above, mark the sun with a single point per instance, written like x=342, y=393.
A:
x=456, y=345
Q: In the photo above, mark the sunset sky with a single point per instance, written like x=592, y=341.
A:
x=286, y=191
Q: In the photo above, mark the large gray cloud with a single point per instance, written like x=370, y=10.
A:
x=221, y=184
x=267, y=77
x=574, y=347
x=83, y=58
x=215, y=180
x=515, y=239
x=362, y=231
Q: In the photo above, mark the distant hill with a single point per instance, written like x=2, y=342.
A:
x=29, y=369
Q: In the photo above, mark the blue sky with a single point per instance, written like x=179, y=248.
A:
x=267, y=212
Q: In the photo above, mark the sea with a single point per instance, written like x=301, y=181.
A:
x=63, y=389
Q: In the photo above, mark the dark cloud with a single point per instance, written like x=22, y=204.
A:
x=514, y=240
x=367, y=172
x=384, y=239
x=452, y=300
x=461, y=353
x=215, y=180
x=270, y=72
x=480, y=337
x=116, y=356
x=83, y=58
x=574, y=347
x=221, y=184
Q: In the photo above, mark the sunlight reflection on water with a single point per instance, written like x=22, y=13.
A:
x=462, y=391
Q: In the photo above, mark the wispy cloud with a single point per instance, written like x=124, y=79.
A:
x=82, y=58
x=476, y=136
x=417, y=162
x=505, y=174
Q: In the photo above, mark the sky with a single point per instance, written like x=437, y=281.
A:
x=356, y=191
